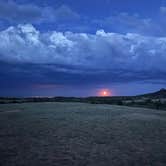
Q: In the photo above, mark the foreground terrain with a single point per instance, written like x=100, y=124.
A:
x=78, y=134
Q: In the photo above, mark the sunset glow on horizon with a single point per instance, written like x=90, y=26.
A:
x=104, y=93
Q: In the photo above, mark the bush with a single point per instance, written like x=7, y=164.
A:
x=119, y=102
x=158, y=104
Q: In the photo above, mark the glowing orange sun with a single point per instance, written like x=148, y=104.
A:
x=104, y=92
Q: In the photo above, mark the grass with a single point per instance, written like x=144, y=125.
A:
x=64, y=134
x=131, y=101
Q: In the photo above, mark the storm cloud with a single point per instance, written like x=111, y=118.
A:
x=63, y=48
x=101, y=51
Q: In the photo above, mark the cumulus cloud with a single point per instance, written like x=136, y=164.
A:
x=31, y=13
x=98, y=52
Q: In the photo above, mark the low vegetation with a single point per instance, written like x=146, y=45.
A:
x=81, y=134
x=156, y=100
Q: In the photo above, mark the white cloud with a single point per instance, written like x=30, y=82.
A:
x=59, y=40
x=100, y=51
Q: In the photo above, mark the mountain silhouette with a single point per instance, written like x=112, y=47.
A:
x=158, y=94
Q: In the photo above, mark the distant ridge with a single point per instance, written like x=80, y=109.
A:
x=158, y=94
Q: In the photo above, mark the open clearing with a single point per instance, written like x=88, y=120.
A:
x=78, y=134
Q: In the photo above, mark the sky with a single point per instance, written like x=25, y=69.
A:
x=79, y=47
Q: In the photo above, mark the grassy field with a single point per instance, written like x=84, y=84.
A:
x=79, y=134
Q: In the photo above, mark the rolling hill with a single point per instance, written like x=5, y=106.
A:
x=159, y=94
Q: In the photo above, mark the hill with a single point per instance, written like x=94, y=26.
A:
x=159, y=94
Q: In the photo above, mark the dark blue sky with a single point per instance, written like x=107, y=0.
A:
x=76, y=48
